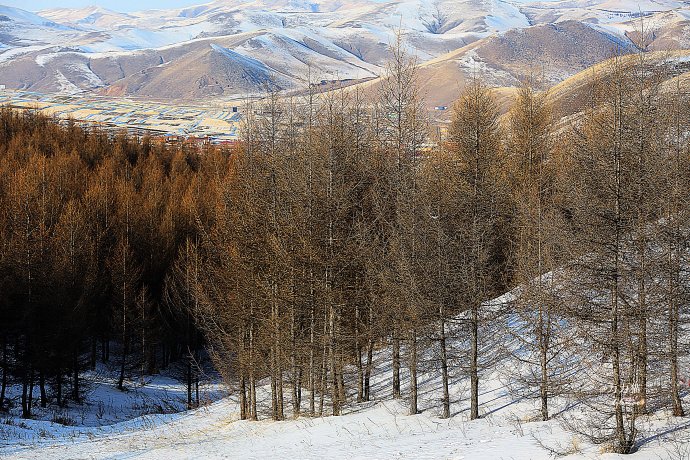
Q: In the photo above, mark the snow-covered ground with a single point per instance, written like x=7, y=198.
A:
x=104, y=407
x=149, y=421
x=380, y=429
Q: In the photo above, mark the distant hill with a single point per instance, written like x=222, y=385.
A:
x=231, y=48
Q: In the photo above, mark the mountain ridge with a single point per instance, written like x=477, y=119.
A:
x=94, y=49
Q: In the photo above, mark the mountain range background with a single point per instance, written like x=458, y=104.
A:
x=234, y=48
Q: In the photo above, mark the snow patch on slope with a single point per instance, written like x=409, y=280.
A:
x=10, y=54
x=508, y=17
x=66, y=86
x=19, y=15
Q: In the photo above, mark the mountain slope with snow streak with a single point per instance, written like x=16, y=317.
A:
x=335, y=40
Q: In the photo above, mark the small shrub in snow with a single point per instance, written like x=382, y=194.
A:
x=100, y=411
x=8, y=434
x=607, y=449
x=63, y=419
x=575, y=446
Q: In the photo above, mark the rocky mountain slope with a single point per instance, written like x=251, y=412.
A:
x=234, y=48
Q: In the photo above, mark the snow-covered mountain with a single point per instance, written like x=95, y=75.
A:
x=232, y=48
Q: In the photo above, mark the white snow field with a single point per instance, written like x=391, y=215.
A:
x=380, y=429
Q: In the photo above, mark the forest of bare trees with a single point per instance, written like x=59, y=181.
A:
x=338, y=229
x=90, y=229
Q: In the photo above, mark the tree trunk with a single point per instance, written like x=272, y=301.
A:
x=335, y=393
x=189, y=381
x=279, y=378
x=323, y=383
x=342, y=395
x=543, y=363
x=104, y=355
x=274, y=393
x=42, y=387
x=414, y=410
x=370, y=355
x=368, y=369
x=673, y=338
x=26, y=409
x=196, y=389
x=396, y=364
x=358, y=359
x=474, y=365
x=94, y=353
x=3, y=385
x=312, y=363
x=123, y=362
x=444, y=368
x=75, y=378
x=58, y=384
x=252, y=397
x=252, y=379
x=243, y=399
x=296, y=384
x=642, y=352
x=30, y=400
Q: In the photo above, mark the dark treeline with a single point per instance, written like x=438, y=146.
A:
x=339, y=229
x=90, y=227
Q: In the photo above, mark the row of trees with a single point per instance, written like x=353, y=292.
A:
x=323, y=243
x=337, y=230
x=626, y=288
x=340, y=229
x=90, y=227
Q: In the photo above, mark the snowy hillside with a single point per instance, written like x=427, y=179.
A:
x=509, y=427
x=96, y=49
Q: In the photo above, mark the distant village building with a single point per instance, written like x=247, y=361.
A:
x=225, y=142
x=197, y=140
